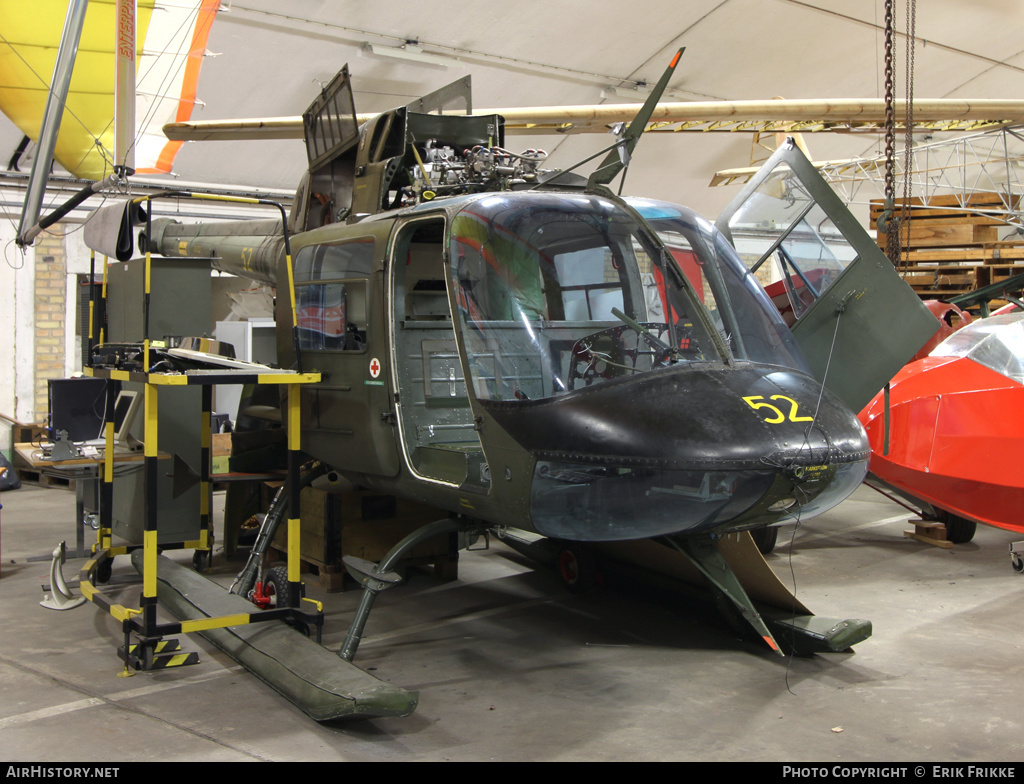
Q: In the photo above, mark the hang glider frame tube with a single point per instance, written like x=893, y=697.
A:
x=55, y=100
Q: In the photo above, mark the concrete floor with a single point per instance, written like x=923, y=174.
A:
x=510, y=667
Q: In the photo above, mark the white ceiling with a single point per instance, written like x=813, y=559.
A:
x=268, y=58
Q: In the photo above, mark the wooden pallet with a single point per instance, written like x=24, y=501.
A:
x=44, y=480
x=947, y=250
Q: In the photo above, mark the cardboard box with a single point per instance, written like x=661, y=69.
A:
x=362, y=523
x=220, y=453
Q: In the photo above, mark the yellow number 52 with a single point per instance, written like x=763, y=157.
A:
x=758, y=402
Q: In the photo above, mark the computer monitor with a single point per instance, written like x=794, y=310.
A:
x=77, y=405
x=126, y=407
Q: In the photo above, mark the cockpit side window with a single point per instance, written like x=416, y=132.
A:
x=331, y=295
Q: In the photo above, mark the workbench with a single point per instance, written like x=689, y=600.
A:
x=31, y=457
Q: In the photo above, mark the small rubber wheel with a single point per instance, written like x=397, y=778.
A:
x=104, y=571
x=1017, y=563
x=277, y=588
x=281, y=594
x=577, y=568
x=959, y=529
x=201, y=560
x=765, y=538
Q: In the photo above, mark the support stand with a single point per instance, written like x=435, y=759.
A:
x=60, y=597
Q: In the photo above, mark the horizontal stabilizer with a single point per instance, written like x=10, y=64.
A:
x=320, y=683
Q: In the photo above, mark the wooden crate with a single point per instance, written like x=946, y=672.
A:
x=945, y=233
x=947, y=250
x=948, y=205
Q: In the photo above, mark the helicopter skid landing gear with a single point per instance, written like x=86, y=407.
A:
x=702, y=550
x=377, y=577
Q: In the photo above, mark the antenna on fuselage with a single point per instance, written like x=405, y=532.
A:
x=618, y=159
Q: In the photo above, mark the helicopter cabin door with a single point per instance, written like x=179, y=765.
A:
x=346, y=419
x=435, y=420
x=855, y=319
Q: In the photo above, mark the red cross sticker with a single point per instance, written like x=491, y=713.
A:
x=374, y=368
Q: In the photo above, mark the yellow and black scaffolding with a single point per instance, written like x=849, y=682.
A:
x=143, y=620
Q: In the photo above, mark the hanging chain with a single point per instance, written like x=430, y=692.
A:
x=886, y=221
x=908, y=155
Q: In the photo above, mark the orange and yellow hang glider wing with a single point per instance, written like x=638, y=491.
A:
x=171, y=42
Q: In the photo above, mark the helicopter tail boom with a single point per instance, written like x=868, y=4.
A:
x=249, y=249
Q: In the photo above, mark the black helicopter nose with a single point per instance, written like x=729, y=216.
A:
x=686, y=449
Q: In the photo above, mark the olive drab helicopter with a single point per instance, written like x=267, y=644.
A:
x=527, y=350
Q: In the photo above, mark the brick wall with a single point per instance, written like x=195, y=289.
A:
x=50, y=307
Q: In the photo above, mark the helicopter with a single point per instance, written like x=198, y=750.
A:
x=529, y=351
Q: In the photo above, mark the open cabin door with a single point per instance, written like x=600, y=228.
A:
x=855, y=319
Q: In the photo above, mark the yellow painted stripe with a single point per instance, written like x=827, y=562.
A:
x=150, y=406
x=87, y=589
x=291, y=286
x=117, y=611
x=168, y=381
x=288, y=378
x=177, y=660
x=122, y=613
x=108, y=457
x=149, y=563
x=214, y=623
x=293, y=550
x=294, y=418
x=318, y=604
x=120, y=375
x=219, y=198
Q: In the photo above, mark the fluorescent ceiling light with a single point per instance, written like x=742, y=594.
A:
x=409, y=52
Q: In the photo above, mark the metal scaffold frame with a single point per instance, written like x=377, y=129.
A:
x=966, y=166
x=142, y=621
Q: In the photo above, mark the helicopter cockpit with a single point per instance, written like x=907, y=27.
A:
x=560, y=292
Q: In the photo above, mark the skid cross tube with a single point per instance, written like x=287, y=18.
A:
x=375, y=578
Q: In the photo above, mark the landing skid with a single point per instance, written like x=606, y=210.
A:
x=745, y=588
x=313, y=678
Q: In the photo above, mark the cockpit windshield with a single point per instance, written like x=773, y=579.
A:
x=996, y=342
x=557, y=292
x=740, y=307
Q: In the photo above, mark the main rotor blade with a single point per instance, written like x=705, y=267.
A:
x=812, y=115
